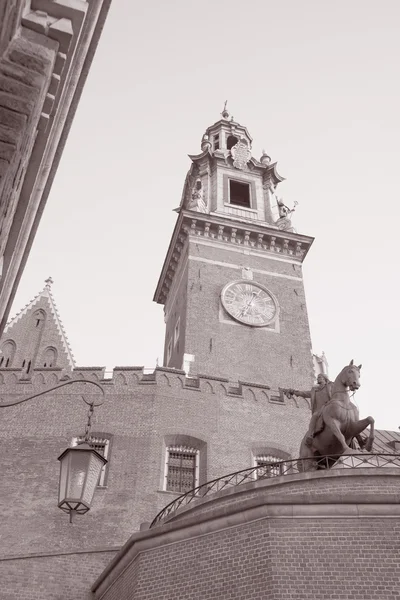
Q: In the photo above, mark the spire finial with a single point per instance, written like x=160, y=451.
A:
x=49, y=281
x=225, y=113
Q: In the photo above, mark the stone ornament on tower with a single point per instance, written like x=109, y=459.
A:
x=196, y=200
x=241, y=154
x=225, y=113
x=205, y=143
x=284, y=223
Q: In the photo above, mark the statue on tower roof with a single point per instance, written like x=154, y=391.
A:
x=284, y=223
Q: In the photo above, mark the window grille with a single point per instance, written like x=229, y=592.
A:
x=181, y=469
x=268, y=466
x=101, y=445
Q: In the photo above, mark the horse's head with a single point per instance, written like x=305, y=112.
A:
x=350, y=376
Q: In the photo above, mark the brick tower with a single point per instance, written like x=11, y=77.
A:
x=231, y=284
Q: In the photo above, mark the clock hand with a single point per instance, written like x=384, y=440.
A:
x=246, y=308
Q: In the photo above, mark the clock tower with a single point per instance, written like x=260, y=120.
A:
x=231, y=284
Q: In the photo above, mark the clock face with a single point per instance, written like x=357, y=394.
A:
x=249, y=303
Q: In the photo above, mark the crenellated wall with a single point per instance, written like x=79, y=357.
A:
x=13, y=378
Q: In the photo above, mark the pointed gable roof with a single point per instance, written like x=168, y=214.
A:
x=44, y=299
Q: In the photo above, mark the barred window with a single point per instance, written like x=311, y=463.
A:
x=182, y=466
x=269, y=466
x=102, y=446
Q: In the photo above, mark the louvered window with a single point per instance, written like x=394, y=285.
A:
x=269, y=466
x=101, y=445
x=181, y=469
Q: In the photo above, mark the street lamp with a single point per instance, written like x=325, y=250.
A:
x=80, y=466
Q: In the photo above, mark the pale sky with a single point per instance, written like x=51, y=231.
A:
x=317, y=85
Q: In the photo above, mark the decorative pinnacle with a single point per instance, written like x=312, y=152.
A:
x=49, y=281
x=225, y=113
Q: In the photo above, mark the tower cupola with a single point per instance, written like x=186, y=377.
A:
x=226, y=179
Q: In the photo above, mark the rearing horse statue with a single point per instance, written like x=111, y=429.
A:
x=337, y=423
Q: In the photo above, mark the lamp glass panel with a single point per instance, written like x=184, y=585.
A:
x=94, y=467
x=77, y=473
x=64, y=468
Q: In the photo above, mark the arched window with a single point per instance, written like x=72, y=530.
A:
x=271, y=462
x=39, y=317
x=231, y=141
x=49, y=357
x=8, y=352
x=185, y=463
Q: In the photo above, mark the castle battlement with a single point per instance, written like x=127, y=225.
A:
x=126, y=378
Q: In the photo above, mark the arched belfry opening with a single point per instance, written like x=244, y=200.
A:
x=231, y=141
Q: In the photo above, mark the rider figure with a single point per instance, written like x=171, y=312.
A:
x=319, y=395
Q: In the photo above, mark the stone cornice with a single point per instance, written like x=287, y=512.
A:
x=75, y=26
x=251, y=235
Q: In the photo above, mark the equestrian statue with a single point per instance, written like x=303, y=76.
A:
x=335, y=423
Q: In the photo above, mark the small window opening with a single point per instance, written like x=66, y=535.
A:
x=177, y=330
x=23, y=363
x=49, y=357
x=169, y=351
x=39, y=317
x=8, y=351
x=29, y=367
x=181, y=469
x=216, y=142
x=231, y=141
x=239, y=193
x=1, y=361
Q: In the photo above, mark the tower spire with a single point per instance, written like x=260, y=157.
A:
x=225, y=113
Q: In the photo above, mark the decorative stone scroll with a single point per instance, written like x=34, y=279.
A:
x=241, y=154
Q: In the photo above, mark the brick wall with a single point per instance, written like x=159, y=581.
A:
x=303, y=551
x=275, y=559
x=277, y=358
x=140, y=414
x=60, y=577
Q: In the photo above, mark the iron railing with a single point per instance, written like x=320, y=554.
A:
x=275, y=469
